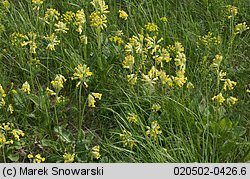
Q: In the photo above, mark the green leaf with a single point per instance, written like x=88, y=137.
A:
x=13, y=157
x=64, y=135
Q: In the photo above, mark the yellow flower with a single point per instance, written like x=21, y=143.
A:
x=232, y=10
x=132, y=117
x=17, y=133
x=164, y=19
x=154, y=130
x=92, y=97
x=132, y=78
x=165, y=78
x=68, y=158
x=241, y=27
x=82, y=73
x=2, y=138
x=100, y=6
x=50, y=92
x=2, y=103
x=98, y=20
x=61, y=27
x=58, y=82
x=216, y=61
x=231, y=100
x=95, y=151
x=51, y=15
x=80, y=20
x=39, y=159
x=68, y=16
x=128, y=62
x=180, y=79
x=127, y=139
x=10, y=109
x=53, y=41
x=30, y=41
x=156, y=107
x=190, y=85
x=229, y=85
x=59, y=99
x=2, y=92
x=178, y=47
x=91, y=101
x=116, y=39
x=123, y=15
x=26, y=88
x=219, y=99
x=37, y=4
x=30, y=156
x=248, y=91
x=151, y=27
x=97, y=95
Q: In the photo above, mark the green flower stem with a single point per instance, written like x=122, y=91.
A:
x=4, y=159
x=99, y=43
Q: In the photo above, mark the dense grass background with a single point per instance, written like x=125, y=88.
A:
x=194, y=128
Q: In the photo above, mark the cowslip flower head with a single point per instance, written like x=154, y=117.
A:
x=26, y=88
x=123, y=15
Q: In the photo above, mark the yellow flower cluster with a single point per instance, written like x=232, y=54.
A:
x=148, y=47
x=151, y=27
x=216, y=61
x=156, y=107
x=132, y=117
x=209, y=40
x=61, y=27
x=82, y=73
x=127, y=139
x=68, y=157
x=51, y=15
x=8, y=135
x=128, y=62
x=228, y=84
x=17, y=38
x=241, y=27
x=92, y=99
x=10, y=109
x=164, y=19
x=123, y=15
x=80, y=20
x=100, y=6
x=37, y=159
x=117, y=39
x=2, y=96
x=58, y=82
x=30, y=40
x=26, y=87
x=233, y=11
x=95, y=151
x=98, y=18
x=68, y=17
x=154, y=130
x=219, y=99
x=132, y=78
x=36, y=4
x=52, y=42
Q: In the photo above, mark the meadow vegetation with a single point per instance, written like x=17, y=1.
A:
x=124, y=81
